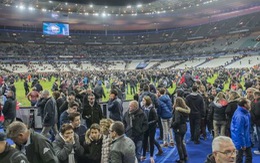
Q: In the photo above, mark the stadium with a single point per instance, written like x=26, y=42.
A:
x=86, y=48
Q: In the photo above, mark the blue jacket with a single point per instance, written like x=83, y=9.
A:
x=240, y=128
x=165, y=107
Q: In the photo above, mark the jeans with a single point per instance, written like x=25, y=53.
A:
x=138, y=149
x=248, y=155
x=160, y=127
x=179, y=137
x=252, y=134
x=167, y=131
x=195, y=128
x=258, y=136
x=219, y=128
x=150, y=133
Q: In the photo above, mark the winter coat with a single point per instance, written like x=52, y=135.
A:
x=240, y=128
x=196, y=104
x=122, y=150
x=63, y=149
x=135, y=124
x=180, y=118
x=12, y=155
x=218, y=110
x=165, y=107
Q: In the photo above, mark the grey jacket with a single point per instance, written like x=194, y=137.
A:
x=122, y=150
x=63, y=150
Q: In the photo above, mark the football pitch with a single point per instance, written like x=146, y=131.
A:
x=24, y=102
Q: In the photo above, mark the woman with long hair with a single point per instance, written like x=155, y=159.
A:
x=231, y=108
x=181, y=114
x=150, y=112
x=218, y=109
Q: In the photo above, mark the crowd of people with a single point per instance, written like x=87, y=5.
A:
x=74, y=128
x=182, y=49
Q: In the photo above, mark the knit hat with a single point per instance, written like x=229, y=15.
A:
x=2, y=136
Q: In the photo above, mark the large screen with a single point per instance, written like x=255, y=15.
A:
x=51, y=28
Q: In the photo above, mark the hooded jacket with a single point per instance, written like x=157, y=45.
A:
x=196, y=104
x=180, y=117
x=218, y=110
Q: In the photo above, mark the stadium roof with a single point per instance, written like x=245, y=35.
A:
x=120, y=15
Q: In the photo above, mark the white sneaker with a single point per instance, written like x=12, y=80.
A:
x=257, y=152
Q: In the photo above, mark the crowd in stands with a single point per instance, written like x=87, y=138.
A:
x=93, y=52
x=81, y=133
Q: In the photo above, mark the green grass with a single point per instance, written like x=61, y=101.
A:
x=20, y=93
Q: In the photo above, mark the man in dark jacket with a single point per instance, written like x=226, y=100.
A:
x=92, y=112
x=38, y=149
x=9, y=109
x=10, y=154
x=50, y=115
x=188, y=79
x=223, y=150
x=99, y=91
x=122, y=147
x=255, y=115
x=26, y=87
x=136, y=124
x=115, y=106
x=64, y=117
x=196, y=104
x=70, y=98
